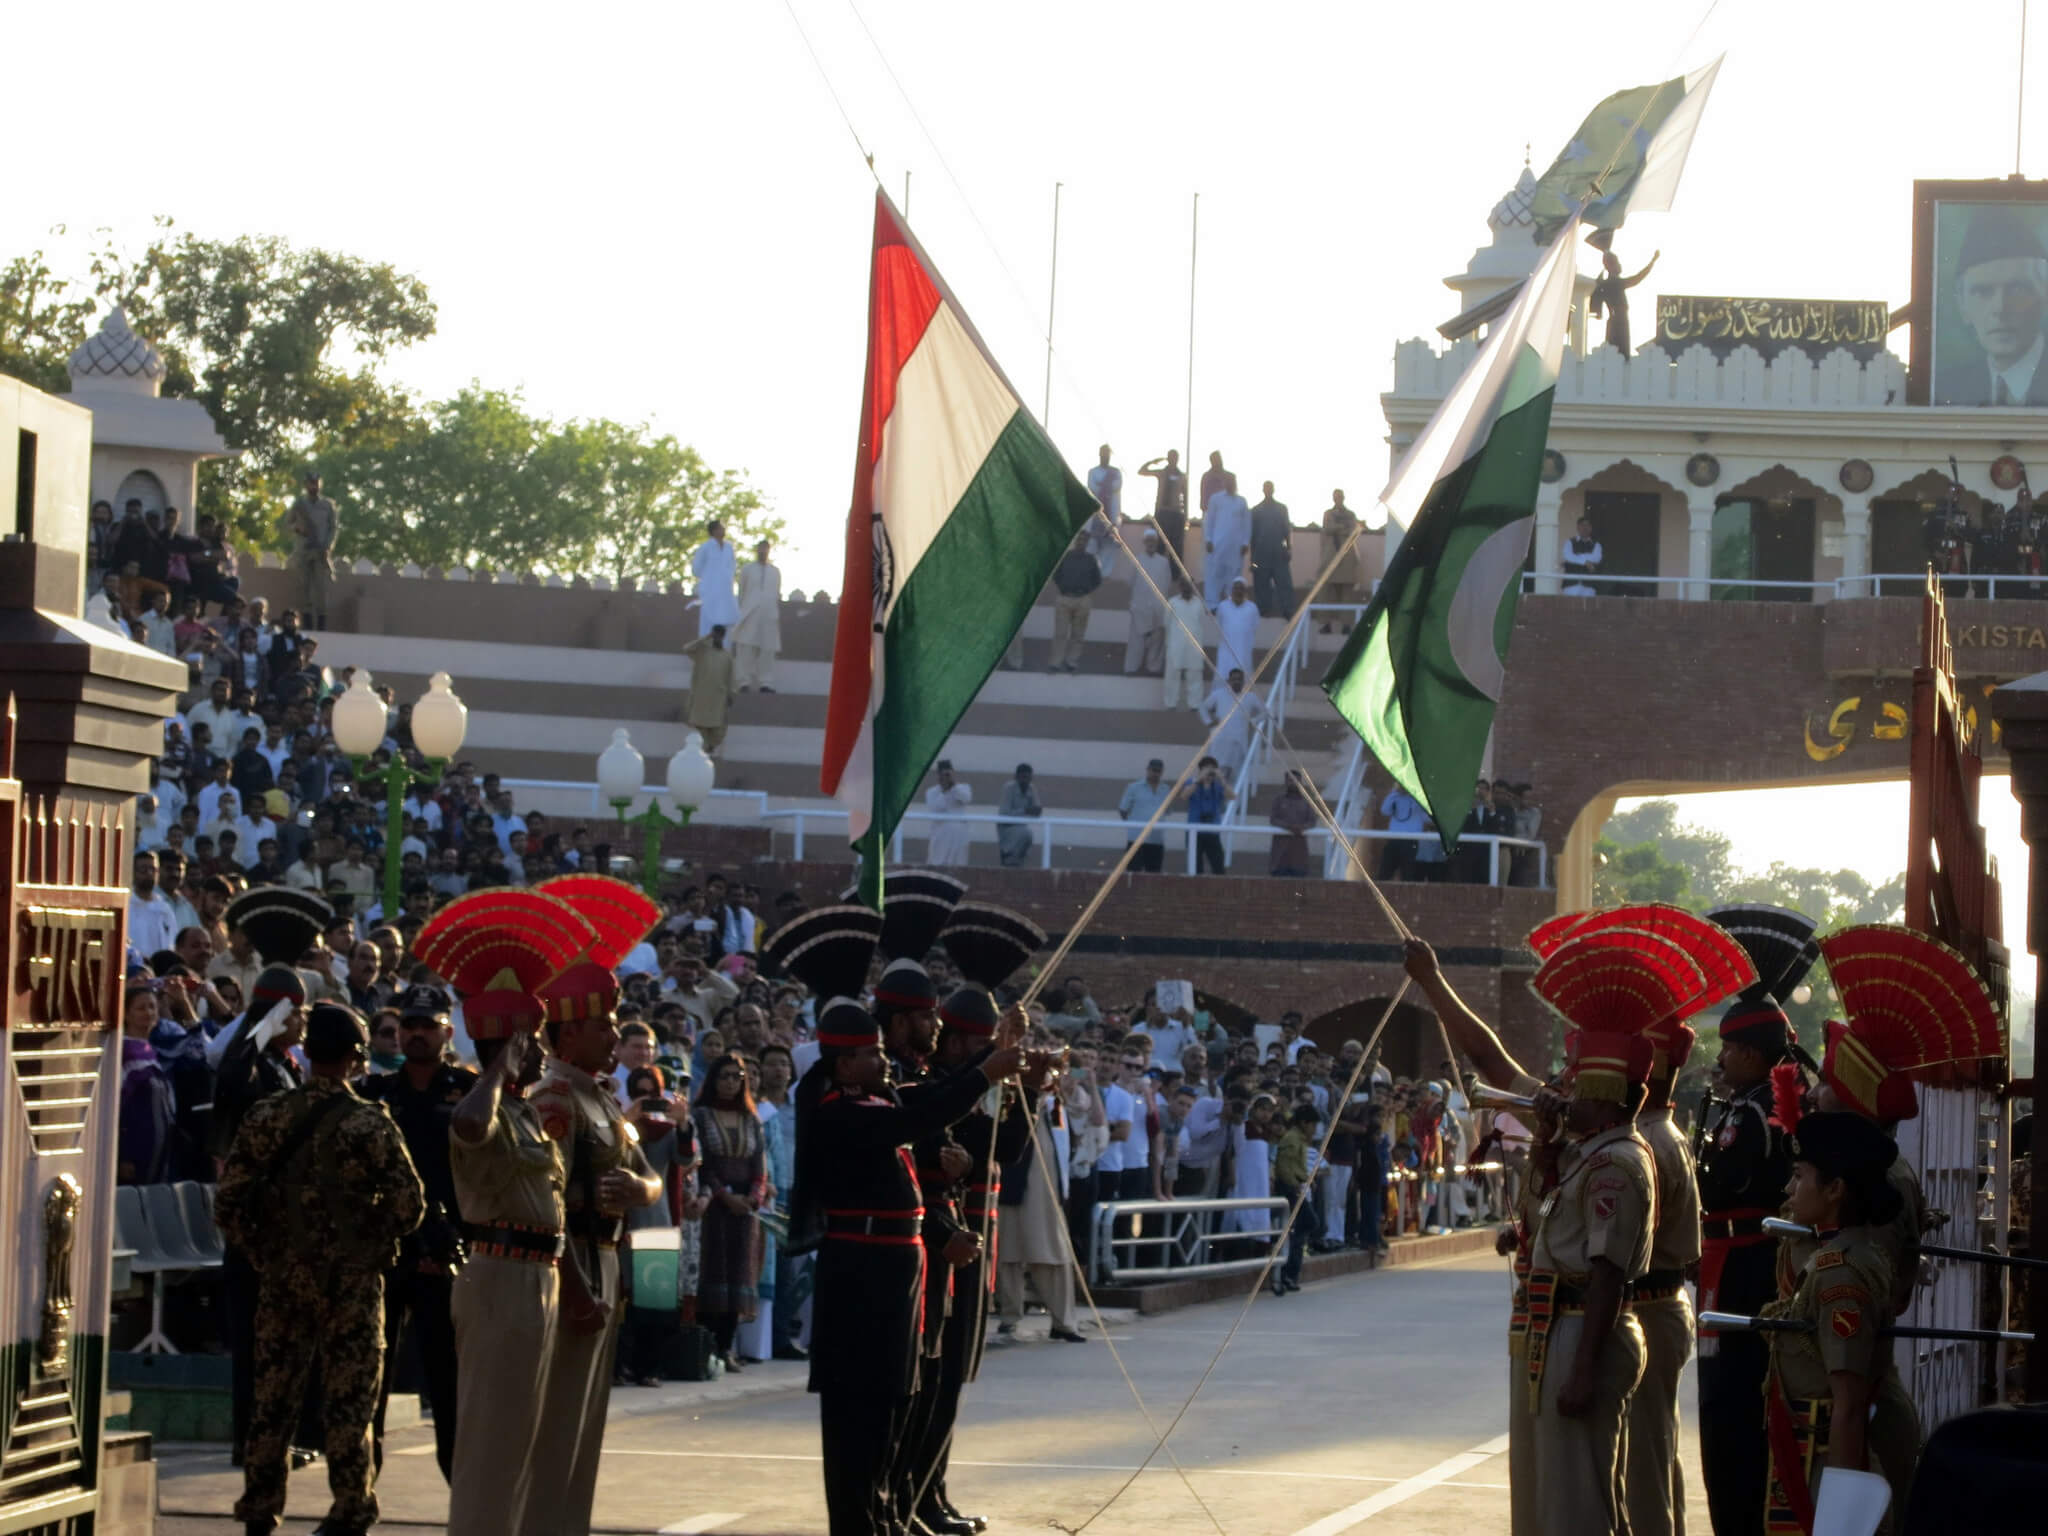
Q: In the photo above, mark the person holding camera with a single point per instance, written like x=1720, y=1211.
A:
x=1206, y=798
x=421, y=1097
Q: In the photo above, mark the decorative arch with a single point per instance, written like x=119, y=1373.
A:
x=1410, y=1046
x=141, y=485
x=1625, y=474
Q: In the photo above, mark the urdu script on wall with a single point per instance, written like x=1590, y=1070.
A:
x=1866, y=716
x=1815, y=325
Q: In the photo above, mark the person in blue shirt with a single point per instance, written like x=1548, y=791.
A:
x=1406, y=817
x=1206, y=798
x=1142, y=797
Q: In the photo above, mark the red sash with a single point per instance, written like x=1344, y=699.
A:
x=1798, y=1431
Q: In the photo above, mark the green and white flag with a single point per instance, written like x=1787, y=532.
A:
x=1420, y=676
x=1626, y=157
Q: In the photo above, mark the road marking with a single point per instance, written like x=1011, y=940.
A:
x=1102, y=1466
x=1355, y=1514
x=699, y=1523
x=415, y=1450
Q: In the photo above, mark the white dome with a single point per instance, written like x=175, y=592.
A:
x=116, y=352
x=1515, y=210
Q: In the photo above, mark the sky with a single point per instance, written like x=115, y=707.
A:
x=657, y=212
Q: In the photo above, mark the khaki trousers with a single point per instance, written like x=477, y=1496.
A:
x=1054, y=1284
x=1579, y=1461
x=1895, y=1436
x=1522, y=1517
x=313, y=576
x=1655, y=1482
x=504, y=1336
x=714, y=738
x=1069, y=629
x=753, y=666
x=563, y=1468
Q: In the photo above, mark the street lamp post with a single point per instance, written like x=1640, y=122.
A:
x=439, y=722
x=620, y=768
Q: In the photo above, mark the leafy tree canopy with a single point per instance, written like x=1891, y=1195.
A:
x=286, y=349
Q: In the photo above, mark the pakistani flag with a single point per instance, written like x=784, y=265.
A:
x=961, y=508
x=1420, y=676
x=1626, y=157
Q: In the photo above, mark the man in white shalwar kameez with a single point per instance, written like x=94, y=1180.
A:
x=1226, y=535
x=1186, y=620
x=1237, y=632
x=948, y=800
x=1145, y=648
x=712, y=564
x=1239, y=709
x=757, y=637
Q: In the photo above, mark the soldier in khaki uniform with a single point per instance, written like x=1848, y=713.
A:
x=495, y=947
x=317, y=1190
x=1656, y=1484
x=607, y=1176
x=1893, y=1027
x=1823, y=1381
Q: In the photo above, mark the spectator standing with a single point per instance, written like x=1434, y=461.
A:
x=948, y=800
x=1087, y=1118
x=1272, y=545
x=1013, y=842
x=735, y=1175
x=757, y=631
x=1340, y=554
x=1406, y=818
x=149, y=1107
x=1237, y=631
x=1206, y=798
x=1251, y=1154
x=1106, y=485
x=1527, y=868
x=152, y=922
x=1484, y=819
x=1292, y=815
x=1170, y=505
x=712, y=564
x=1226, y=535
x=711, y=687
x=1185, y=621
x=1290, y=1182
x=105, y=607
x=1216, y=478
x=1028, y=1242
x=1236, y=710
x=313, y=524
x=1143, y=797
x=1145, y=648
x=1074, y=581
x=1580, y=561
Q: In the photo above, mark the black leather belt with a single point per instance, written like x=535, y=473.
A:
x=1657, y=1285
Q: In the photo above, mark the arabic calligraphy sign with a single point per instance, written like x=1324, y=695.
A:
x=1868, y=716
x=1817, y=326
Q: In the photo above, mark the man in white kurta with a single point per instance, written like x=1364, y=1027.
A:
x=1237, y=632
x=1186, y=622
x=1238, y=709
x=1145, y=648
x=948, y=800
x=1226, y=535
x=757, y=636
x=712, y=564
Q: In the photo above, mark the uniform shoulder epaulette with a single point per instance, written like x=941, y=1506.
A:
x=1830, y=1258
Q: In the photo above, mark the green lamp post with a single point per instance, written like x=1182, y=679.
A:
x=439, y=722
x=620, y=768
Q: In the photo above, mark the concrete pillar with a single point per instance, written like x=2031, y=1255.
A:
x=1699, y=549
x=1855, y=545
x=1549, y=510
x=2021, y=710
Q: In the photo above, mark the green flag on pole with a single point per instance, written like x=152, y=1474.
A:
x=1626, y=157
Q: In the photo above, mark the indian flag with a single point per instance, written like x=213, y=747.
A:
x=961, y=508
x=1420, y=676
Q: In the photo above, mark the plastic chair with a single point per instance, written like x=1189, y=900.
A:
x=167, y=1220
x=195, y=1201
x=134, y=1231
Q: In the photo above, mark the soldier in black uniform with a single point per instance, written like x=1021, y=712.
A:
x=421, y=1097
x=857, y=1202
x=988, y=945
x=1743, y=1163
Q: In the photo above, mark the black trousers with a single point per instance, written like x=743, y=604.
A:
x=860, y=1433
x=1735, y=1457
x=424, y=1300
x=1173, y=533
x=1209, y=853
x=1273, y=587
x=1149, y=859
x=927, y=1455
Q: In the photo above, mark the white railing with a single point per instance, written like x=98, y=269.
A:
x=1985, y=584
x=1344, y=807
x=1690, y=587
x=1176, y=1237
x=1293, y=667
x=757, y=799
x=802, y=819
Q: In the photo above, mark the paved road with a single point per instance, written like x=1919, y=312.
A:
x=1372, y=1403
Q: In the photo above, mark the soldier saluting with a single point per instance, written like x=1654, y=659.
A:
x=318, y=1190
x=1744, y=1162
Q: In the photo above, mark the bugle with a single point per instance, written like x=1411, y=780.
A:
x=1483, y=1097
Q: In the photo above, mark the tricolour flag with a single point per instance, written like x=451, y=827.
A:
x=961, y=508
x=1626, y=157
x=1421, y=674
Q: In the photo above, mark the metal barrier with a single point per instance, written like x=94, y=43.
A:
x=598, y=808
x=1181, y=1235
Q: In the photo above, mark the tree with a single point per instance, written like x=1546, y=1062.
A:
x=42, y=320
x=477, y=481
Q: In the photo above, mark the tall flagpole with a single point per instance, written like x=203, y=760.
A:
x=1187, y=452
x=2019, y=119
x=906, y=194
x=1051, y=297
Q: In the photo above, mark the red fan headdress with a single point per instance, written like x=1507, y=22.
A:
x=621, y=917
x=1614, y=985
x=1911, y=1002
x=497, y=948
x=1725, y=968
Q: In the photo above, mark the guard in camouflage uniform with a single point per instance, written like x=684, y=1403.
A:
x=988, y=945
x=318, y=1190
x=1823, y=1381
